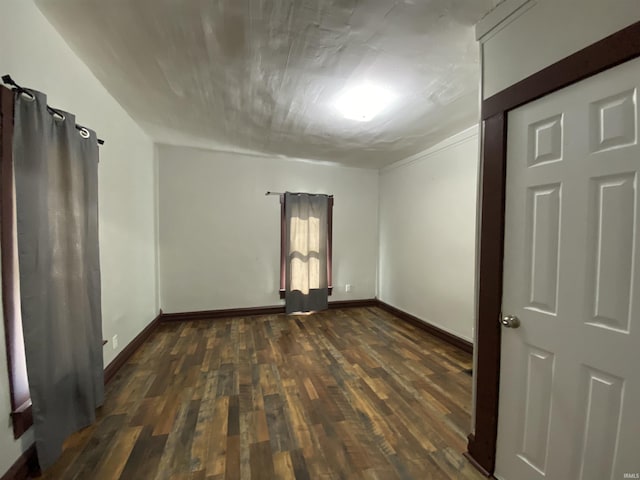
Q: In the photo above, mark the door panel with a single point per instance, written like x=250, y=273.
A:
x=610, y=250
x=543, y=241
x=601, y=413
x=570, y=374
x=535, y=433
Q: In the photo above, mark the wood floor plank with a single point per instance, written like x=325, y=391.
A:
x=205, y=424
x=233, y=458
x=181, y=460
x=216, y=458
x=348, y=393
x=299, y=465
x=145, y=455
x=283, y=467
x=279, y=434
x=261, y=461
x=115, y=459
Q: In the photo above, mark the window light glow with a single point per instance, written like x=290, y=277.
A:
x=364, y=102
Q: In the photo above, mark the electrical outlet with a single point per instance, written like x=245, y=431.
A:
x=347, y=287
x=115, y=342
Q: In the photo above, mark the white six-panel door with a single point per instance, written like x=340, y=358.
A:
x=570, y=374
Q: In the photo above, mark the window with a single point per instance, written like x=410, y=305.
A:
x=18, y=384
x=283, y=254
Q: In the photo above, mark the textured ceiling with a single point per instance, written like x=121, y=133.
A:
x=263, y=76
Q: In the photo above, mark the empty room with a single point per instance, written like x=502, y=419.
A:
x=330, y=239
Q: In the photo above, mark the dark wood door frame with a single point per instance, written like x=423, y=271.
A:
x=607, y=53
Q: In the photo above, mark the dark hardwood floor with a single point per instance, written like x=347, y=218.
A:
x=353, y=393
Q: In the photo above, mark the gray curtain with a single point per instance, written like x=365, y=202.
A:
x=306, y=247
x=56, y=185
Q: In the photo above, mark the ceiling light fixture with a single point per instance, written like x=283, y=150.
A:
x=364, y=102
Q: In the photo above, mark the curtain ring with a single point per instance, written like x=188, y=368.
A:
x=26, y=95
x=56, y=114
x=84, y=133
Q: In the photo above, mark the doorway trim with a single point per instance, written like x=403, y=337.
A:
x=613, y=50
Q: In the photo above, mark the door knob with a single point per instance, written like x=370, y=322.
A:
x=510, y=321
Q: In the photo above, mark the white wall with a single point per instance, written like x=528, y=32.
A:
x=427, y=234
x=220, y=234
x=546, y=31
x=36, y=56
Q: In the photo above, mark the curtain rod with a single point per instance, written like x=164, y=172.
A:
x=295, y=193
x=9, y=81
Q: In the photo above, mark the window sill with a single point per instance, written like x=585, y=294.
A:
x=283, y=292
x=22, y=419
